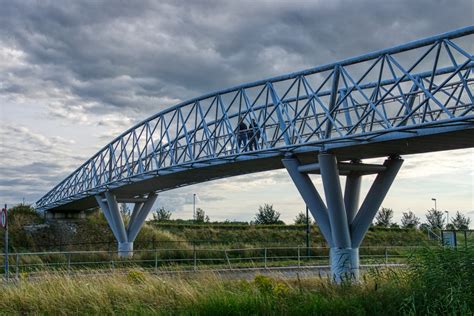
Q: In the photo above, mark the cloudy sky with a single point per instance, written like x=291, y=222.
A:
x=73, y=74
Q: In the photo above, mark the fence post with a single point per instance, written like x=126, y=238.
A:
x=299, y=264
x=156, y=260
x=265, y=257
x=465, y=239
x=17, y=266
x=227, y=258
x=195, y=257
x=69, y=262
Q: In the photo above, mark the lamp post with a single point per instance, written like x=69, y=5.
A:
x=447, y=218
x=433, y=199
x=194, y=207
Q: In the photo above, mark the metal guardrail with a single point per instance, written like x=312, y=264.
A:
x=193, y=259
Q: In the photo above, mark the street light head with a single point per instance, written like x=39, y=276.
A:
x=433, y=199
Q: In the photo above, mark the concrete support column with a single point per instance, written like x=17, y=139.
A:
x=351, y=195
x=344, y=264
x=125, y=249
x=125, y=236
x=374, y=199
x=311, y=197
x=334, y=200
x=342, y=223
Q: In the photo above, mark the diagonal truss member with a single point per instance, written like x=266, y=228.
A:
x=125, y=235
x=342, y=222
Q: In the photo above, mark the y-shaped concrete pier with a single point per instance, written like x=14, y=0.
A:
x=342, y=222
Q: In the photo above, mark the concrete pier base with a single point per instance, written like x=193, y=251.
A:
x=125, y=249
x=344, y=264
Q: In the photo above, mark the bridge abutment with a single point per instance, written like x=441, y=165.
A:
x=342, y=223
x=125, y=235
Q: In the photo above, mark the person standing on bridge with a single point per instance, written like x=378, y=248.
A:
x=242, y=135
x=253, y=135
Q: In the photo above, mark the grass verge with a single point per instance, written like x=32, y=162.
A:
x=437, y=282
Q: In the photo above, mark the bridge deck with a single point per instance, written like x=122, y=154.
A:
x=451, y=138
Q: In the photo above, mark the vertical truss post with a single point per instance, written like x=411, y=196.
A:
x=342, y=223
x=125, y=236
x=278, y=105
x=332, y=100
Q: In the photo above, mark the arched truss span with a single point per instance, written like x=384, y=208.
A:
x=361, y=107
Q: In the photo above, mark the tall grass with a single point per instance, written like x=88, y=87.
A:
x=442, y=282
x=437, y=282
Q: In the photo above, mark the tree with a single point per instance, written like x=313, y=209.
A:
x=460, y=221
x=410, y=220
x=201, y=216
x=267, y=215
x=124, y=210
x=424, y=227
x=161, y=215
x=384, y=217
x=301, y=219
x=435, y=219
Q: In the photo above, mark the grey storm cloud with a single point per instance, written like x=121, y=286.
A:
x=144, y=56
x=132, y=59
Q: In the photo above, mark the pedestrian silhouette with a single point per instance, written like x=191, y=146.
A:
x=253, y=135
x=242, y=135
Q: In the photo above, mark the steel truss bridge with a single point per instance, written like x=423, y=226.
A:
x=412, y=98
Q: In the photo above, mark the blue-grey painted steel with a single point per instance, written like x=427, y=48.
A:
x=116, y=217
x=136, y=209
x=311, y=197
x=125, y=236
x=105, y=209
x=138, y=221
x=351, y=195
x=373, y=200
x=422, y=87
x=335, y=201
x=342, y=222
